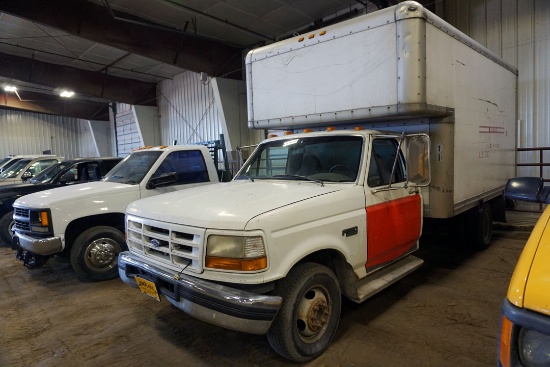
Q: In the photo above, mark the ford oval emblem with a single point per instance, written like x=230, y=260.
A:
x=155, y=242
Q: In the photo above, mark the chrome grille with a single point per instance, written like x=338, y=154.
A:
x=175, y=245
x=21, y=212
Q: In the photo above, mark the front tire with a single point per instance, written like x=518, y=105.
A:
x=94, y=255
x=309, y=316
x=6, y=224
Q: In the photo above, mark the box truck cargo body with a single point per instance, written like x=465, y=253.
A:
x=399, y=69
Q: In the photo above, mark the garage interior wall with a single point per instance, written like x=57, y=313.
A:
x=187, y=109
x=32, y=133
x=519, y=32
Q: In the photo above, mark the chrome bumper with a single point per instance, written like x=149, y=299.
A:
x=39, y=246
x=210, y=302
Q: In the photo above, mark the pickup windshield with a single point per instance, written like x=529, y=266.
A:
x=14, y=170
x=132, y=169
x=47, y=175
x=318, y=158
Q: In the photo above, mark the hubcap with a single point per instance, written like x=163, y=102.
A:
x=102, y=254
x=313, y=314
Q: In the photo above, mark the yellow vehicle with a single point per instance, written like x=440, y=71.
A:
x=525, y=324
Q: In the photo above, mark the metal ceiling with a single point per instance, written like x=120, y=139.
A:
x=117, y=50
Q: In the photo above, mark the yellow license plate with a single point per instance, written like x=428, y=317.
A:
x=147, y=287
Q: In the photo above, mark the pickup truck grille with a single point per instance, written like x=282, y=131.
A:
x=175, y=245
x=21, y=219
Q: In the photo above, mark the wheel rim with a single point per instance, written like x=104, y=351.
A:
x=313, y=314
x=102, y=254
x=10, y=228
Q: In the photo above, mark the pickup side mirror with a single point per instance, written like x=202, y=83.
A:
x=418, y=159
x=26, y=175
x=163, y=180
x=530, y=189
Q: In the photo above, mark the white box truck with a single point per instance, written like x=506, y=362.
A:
x=316, y=215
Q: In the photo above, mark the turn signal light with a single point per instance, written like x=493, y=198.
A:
x=44, y=219
x=505, y=340
x=236, y=264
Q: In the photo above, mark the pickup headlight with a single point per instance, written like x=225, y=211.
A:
x=534, y=348
x=243, y=253
x=40, y=221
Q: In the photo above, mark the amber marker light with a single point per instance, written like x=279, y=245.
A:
x=44, y=219
x=331, y=128
x=300, y=39
x=358, y=128
x=505, y=340
x=307, y=130
x=311, y=36
x=322, y=33
x=236, y=264
x=288, y=133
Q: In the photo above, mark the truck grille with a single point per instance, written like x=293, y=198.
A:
x=21, y=219
x=175, y=245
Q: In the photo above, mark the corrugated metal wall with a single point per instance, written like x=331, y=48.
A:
x=187, y=109
x=519, y=32
x=127, y=129
x=32, y=133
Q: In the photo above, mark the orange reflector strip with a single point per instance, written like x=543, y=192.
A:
x=307, y=130
x=236, y=264
x=272, y=136
x=322, y=33
x=288, y=133
x=44, y=219
x=331, y=128
x=300, y=39
x=505, y=340
x=311, y=36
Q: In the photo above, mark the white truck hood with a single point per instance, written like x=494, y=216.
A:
x=53, y=197
x=226, y=205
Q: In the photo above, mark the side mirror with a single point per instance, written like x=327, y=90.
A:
x=163, y=180
x=26, y=175
x=418, y=159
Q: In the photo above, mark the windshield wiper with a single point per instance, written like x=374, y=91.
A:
x=298, y=177
x=245, y=177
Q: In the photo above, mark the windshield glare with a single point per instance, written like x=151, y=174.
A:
x=46, y=175
x=324, y=158
x=15, y=169
x=132, y=169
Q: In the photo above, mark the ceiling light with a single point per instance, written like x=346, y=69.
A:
x=67, y=94
x=10, y=88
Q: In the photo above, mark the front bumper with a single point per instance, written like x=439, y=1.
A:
x=210, y=302
x=39, y=246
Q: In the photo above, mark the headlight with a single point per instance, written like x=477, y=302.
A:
x=244, y=253
x=40, y=221
x=534, y=348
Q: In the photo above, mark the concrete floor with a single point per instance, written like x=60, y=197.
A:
x=444, y=314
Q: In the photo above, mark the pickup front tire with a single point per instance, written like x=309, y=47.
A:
x=309, y=316
x=94, y=255
x=6, y=224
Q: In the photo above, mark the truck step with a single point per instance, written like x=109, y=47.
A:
x=374, y=283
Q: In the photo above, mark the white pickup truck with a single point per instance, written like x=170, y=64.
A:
x=86, y=222
x=336, y=207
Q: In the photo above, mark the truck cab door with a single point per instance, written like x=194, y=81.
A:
x=187, y=168
x=393, y=209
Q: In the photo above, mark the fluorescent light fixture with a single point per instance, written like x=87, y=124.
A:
x=67, y=94
x=10, y=88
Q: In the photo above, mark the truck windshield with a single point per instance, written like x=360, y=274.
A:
x=14, y=170
x=323, y=158
x=47, y=175
x=132, y=169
